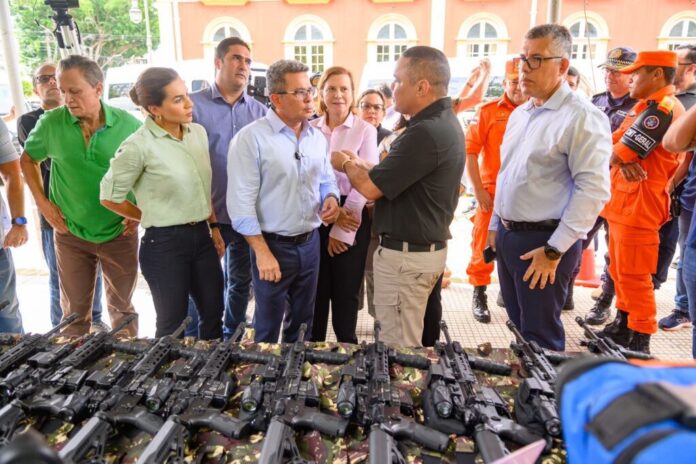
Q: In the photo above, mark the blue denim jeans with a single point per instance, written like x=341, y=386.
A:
x=237, y=272
x=49, y=252
x=10, y=317
x=688, y=272
x=681, y=299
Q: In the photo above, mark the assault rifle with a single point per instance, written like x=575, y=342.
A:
x=122, y=406
x=455, y=403
x=366, y=397
x=536, y=401
x=30, y=345
x=41, y=384
x=279, y=401
x=606, y=346
x=198, y=401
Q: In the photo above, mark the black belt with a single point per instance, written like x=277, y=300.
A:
x=399, y=245
x=542, y=226
x=296, y=239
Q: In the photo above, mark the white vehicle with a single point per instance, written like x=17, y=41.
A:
x=197, y=74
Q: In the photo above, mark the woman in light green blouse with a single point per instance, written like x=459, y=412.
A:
x=167, y=166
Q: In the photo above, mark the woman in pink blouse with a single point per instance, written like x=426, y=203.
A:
x=343, y=244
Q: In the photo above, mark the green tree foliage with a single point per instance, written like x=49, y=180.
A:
x=108, y=35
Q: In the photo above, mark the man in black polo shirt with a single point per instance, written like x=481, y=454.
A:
x=416, y=189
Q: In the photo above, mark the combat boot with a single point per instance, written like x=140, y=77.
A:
x=569, y=302
x=640, y=342
x=480, y=304
x=599, y=313
x=618, y=329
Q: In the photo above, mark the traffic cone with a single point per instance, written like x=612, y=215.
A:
x=587, y=277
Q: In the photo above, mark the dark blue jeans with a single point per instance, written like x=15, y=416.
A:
x=681, y=299
x=10, y=317
x=237, y=275
x=49, y=252
x=688, y=272
x=536, y=313
x=179, y=261
x=290, y=302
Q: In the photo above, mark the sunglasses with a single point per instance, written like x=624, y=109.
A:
x=45, y=78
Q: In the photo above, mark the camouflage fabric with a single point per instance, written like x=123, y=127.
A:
x=210, y=447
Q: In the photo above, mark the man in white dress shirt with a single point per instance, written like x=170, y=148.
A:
x=553, y=182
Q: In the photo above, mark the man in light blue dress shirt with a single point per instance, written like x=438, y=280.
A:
x=281, y=188
x=553, y=182
x=223, y=109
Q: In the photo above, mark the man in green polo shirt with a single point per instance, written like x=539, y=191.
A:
x=80, y=138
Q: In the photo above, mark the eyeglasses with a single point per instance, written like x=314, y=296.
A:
x=534, y=62
x=300, y=93
x=45, y=78
x=367, y=106
x=240, y=59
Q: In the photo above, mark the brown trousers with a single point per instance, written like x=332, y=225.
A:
x=77, y=271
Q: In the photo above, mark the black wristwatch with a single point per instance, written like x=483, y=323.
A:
x=19, y=221
x=214, y=225
x=552, y=253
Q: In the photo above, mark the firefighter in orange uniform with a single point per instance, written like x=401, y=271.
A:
x=641, y=173
x=483, y=139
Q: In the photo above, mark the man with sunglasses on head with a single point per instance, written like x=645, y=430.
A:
x=281, y=188
x=45, y=87
x=223, y=109
x=552, y=184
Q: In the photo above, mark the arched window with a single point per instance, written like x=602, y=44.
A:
x=388, y=37
x=482, y=40
x=590, y=34
x=391, y=42
x=308, y=39
x=680, y=29
x=220, y=28
x=223, y=32
x=585, y=35
x=482, y=35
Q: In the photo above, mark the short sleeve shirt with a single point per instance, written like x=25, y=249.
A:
x=77, y=169
x=170, y=177
x=420, y=177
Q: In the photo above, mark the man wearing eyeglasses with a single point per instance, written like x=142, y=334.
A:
x=552, y=184
x=224, y=109
x=281, y=188
x=46, y=88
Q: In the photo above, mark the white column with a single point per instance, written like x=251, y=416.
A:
x=437, y=24
x=9, y=48
x=166, y=52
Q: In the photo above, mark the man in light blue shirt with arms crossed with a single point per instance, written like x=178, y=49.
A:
x=281, y=188
x=553, y=182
